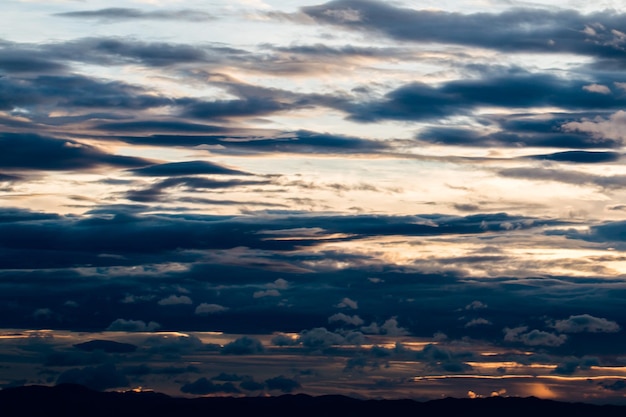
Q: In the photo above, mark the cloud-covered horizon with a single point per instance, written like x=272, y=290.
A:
x=399, y=202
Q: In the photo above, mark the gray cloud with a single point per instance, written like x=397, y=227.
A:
x=97, y=378
x=186, y=168
x=116, y=14
x=513, y=31
x=35, y=152
x=586, y=323
x=133, y=326
x=203, y=386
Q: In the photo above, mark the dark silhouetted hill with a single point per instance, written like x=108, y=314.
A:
x=69, y=400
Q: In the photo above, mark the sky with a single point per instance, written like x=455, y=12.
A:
x=402, y=199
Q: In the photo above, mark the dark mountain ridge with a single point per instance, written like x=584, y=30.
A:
x=70, y=400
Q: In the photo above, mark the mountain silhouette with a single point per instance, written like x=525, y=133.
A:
x=69, y=400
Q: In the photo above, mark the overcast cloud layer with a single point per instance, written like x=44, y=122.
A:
x=377, y=199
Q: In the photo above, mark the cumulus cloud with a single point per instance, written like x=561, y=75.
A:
x=390, y=327
x=243, y=346
x=348, y=303
x=599, y=127
x=353, y=320
x=266, y=293
x=478, y=322
x=175, y=300
x=586, y=323
x=597, y=88
x=534, y=337
x=476, y=305
x=206, y=308
x=320, y=338
x=123, y=325
x=97, y=378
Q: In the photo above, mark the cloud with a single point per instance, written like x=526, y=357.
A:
x=353, y=320
x=109, y=346
x=389, y=327
x=35, y=152
x=266, y=293
x=513, y=31
x=564, y=176
x=97, y=378
x=206, y=308
x=533, y=337
x=601, y=128
x=320, y=338
x=185, y=168
x=475, y=305
x=203, y=386
x=478, y=322
x=570, y=366
x=583, y=157
x=175, y=300
x=597, y=88
x=38, y=94
x=123, y=325
x=348, y=303
x=166, y=344
x=282, y=383
x=243, y=346
x=419, y=101
x=116, y=14
x=586, y=323
x=157, y=191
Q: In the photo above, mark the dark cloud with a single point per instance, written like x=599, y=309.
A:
x=74, y=91
x=123, y=325
x=97, y=378
x=143, y=369
x=186, y=168
x=565, y=176
x=116, y=14
x=128, y=237
x=25, y=61
x=513, y=31
x=299, y=142
x=420, y=101
x=571, y=365
x=282, y=383
x=109, y=346
x=583, y=157
x=243, y=346
x=203, y=386
x=517, y=132
x=251, y=385
x=156, y=192
x=31, y=151
x=587, y=324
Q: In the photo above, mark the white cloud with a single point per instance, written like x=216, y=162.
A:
x=597, y=88
x=612, y=128
x=346, y=302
